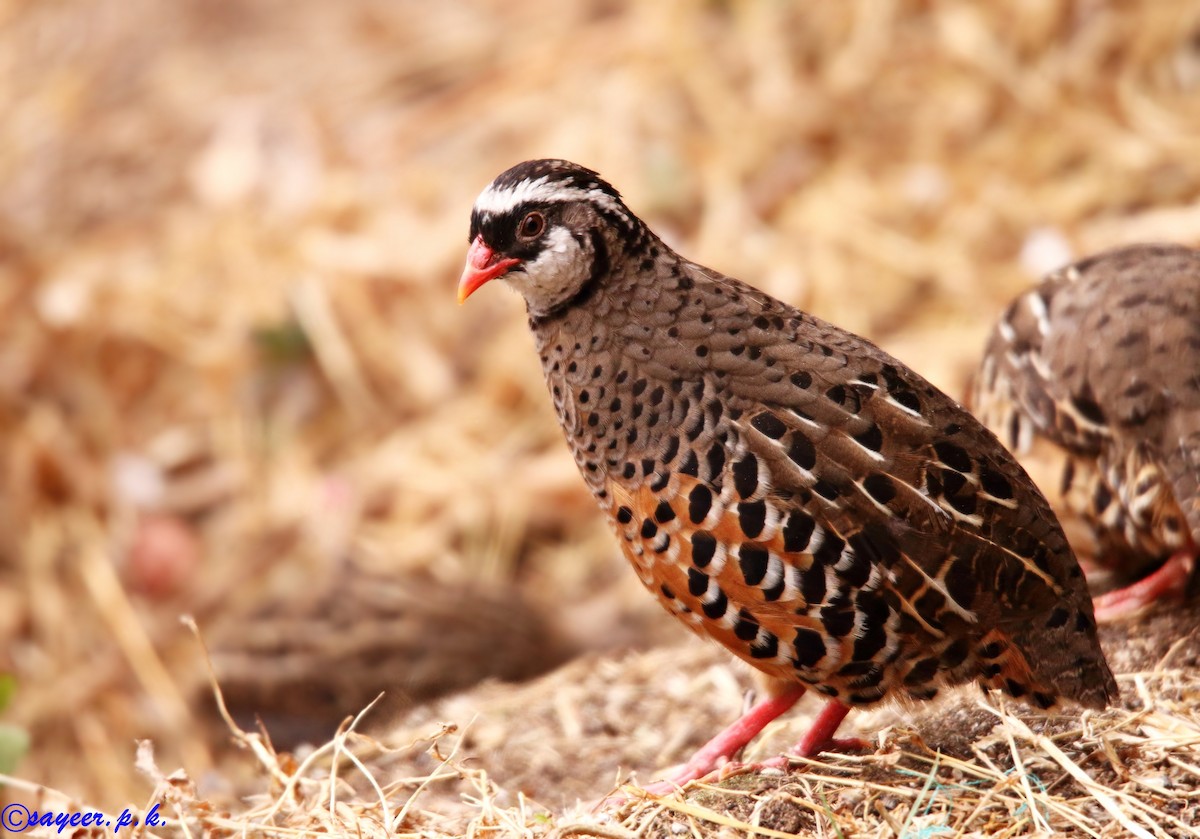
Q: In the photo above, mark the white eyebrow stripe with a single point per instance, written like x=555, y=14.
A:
x=493, y=201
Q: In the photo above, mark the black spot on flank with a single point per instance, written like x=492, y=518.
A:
x=572, y=367
x=802, y=379
x=812, y=584
x=690, y=466
x=762, y=323
x=737, y=349
x=956, y=653
x=797, y=531
x=826, y=490
x=648, y=466
x=906, y=398
x=1015, y=688
x=671, y=450
x=767, y=646
x=745, y=627
x=863, y=672
x=868, y=378
x=622, y=375
x=1057, y=618
x=993, y=649
x=952, y=482
x=830, y=550
x=964, y=504
x=752, y=516
x=716, y=459
x=649, y=529
x=810, y=647
x=838, y=621
x=952, y=455
x=660, y=481
x=1088, y=408
x=776, y=590
x=666, y=591
x=871, y=438
x=836, y=394
x=629, y=471
x=859, y=570
x=1102, y=497
x=584, y=396
x=769, y=424
x=656, y=395
x=701, y=351
x=677, y=385
x=753, y=562
x=960, y=582
x=615, y=405
x=994, y=484
x=697, y=582
x=1083, y=623
x=745, y=475
x=624, y=515
x=663, y=512
x=639, y=387
x=699, y=503
x=921, y=672
x=802, y=452
x=717, y=608
x=1041, y=558
x=596, y=371
x=951, y=429
x=704, y=548
x=1043, y=700
x=880, y=487
x=694, y=430
x=593, y=419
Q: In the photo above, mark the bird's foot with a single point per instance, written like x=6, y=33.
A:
x=717, y=754
x=1170, y=580
x=714, y=761
x=682, y=775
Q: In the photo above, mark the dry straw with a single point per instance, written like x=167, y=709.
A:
x=234, y=384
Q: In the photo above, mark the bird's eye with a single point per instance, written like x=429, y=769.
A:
x=532, y=226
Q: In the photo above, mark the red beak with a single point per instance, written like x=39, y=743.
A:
x=483, y=265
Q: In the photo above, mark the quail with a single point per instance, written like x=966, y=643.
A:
x=782, y=486
x=1095, y=373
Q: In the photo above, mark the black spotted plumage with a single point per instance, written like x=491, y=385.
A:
x=855, y=522
x=1093, y=379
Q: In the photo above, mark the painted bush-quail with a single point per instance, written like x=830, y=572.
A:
x=1096, y=372
x=780, y=485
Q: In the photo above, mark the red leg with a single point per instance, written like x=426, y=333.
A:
x=820, y=735
x=721, y=749
x=1169, y=580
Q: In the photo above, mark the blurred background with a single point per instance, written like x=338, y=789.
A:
x=234, y=382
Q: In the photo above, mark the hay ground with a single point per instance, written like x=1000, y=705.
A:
x=234, y=384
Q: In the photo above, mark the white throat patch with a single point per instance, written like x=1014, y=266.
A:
x=558, y=272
